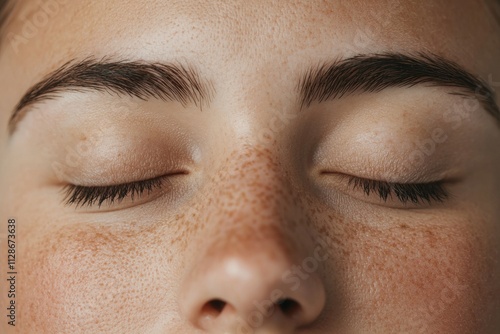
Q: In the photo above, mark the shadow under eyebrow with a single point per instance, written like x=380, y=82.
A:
x=376, y=72
x=169, y=82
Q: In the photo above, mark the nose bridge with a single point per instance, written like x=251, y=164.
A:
x=253, y=205
x=252, y=183
x=252, y=208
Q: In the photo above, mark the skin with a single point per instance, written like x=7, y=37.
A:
x=251, y=210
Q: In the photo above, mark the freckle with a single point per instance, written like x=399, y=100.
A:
x=404, y=226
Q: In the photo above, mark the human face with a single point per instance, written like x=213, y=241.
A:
x=259, y=215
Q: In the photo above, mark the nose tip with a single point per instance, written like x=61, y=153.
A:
x=258, y=294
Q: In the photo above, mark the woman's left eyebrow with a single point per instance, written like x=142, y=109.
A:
x=144, y=80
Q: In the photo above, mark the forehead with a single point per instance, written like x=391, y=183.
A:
x=245, y=33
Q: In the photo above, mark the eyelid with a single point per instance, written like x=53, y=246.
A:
x=416, y=193
x=405, y=195
x=97, y=195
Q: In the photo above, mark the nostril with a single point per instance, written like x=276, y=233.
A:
x=217, y=304
x=289, y=307
x=213, y=308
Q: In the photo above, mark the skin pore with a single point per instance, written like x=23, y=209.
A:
x=261, y=197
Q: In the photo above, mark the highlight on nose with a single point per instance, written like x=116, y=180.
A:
x=241, y=294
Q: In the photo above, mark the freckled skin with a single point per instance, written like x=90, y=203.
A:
x=251, y=202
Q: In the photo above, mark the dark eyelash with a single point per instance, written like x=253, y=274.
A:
x=88, y=196
x=416, y=193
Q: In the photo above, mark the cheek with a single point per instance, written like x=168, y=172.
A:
x=417, y=279
x=97, y=280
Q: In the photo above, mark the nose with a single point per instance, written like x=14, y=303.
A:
x=266, y=292
x=255, y=267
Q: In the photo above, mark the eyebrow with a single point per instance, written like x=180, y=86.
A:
x=494, y=6
x=376, y=72
x=362, y=73
x=5, y=9
x=169, y=82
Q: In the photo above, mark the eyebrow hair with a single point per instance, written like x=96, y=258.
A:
x=362, y=73
x=169, y=82
x=376, y=72
x=495, y=8
x=5, y=9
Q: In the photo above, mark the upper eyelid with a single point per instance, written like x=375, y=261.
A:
x=117, y=184
x=405, y=192
x=92, y=195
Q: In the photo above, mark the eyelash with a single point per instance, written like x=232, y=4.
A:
x=416, y=193
x=97, y=195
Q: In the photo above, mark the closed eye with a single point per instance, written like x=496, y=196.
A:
x=80, y=196
x=415, y=193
